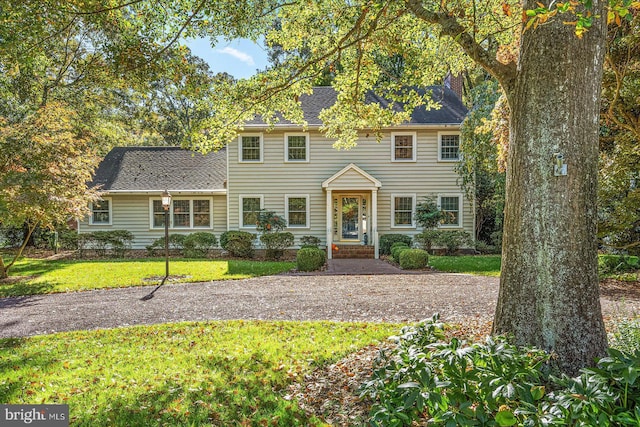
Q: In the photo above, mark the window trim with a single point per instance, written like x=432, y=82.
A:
x=241, y=197
x=414, y=155
x=105, y=199
x=258, y=134
x=460, y=211
x=444, y=133
x=286, y=147
x=286, y=210
x=191, y=226
x=413, y=210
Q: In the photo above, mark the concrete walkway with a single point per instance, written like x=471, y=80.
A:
x=361, y=267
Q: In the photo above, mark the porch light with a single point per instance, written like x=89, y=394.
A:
x=166, y=200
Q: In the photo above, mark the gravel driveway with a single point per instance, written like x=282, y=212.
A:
x=378, y=298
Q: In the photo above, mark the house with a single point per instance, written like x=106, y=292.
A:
x=346, y=198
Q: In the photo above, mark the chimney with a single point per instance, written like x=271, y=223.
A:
x=454, y=83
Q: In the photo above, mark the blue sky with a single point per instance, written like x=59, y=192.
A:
x=240, y=58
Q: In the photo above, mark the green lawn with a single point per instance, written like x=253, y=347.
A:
x=187, y=374
x=66, y=275
x=483, y=265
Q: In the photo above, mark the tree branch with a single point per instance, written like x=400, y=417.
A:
x=505, y=73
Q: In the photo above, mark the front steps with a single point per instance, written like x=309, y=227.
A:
x=353, y=252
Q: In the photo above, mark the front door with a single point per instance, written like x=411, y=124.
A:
x=350, y=217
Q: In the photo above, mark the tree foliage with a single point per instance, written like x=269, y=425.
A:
x=45, y=164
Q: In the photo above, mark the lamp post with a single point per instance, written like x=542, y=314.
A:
x=166, y=204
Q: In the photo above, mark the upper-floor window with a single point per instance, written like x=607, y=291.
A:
x=296, y=147
x=449, y=146
x=451, y=207
x=101, y=212
x=404, y=206
x=250, y=208
x=403, y=148
x=297, y=211
x=250, y=148
x=183, y=213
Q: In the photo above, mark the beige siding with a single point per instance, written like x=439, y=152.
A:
x=273, y=177
x=132, y=212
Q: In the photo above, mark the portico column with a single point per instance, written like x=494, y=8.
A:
x=374, y=222
x=329, y=224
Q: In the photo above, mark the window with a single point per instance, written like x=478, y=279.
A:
x=452, y=209
x=449, y=146
x=403, y=208
x=250, y=148
x=183, y=213
x=297, y=214
x=403, y=147
x=296, y=147
x=250, y=207
x=101, y=212
x=157, y=211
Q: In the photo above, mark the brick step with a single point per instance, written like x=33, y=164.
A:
x=354, y=251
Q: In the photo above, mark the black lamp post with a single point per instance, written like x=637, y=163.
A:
x=166, y=204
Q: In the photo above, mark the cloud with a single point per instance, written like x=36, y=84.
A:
x=247, y=59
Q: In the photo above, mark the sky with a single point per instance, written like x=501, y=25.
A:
x=240, y=58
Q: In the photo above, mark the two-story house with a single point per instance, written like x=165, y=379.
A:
x=344, y=197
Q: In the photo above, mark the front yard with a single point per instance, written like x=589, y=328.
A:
x=40, y=276
x=187, y=374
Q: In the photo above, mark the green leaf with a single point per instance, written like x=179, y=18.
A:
x=537, y=392
x=506, y=418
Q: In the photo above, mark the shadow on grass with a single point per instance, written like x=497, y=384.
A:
x=24, y=288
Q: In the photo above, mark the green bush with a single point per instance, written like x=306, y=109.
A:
x=276, y=243
x=270, y=222
x=627, y=336
x=238, y=243
x=176, y=243
x=452, y=240
x=310, y=241
x=427, y=238
x=310, y=259
x=495, y=383
x=396, y=249
x=198, y=244
x=413, y=259
x=387, y=240
x=611, y=264
x=68, y=240
x=427, y=213
x=118, y=241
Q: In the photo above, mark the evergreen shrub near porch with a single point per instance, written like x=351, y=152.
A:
x=310, y=259
x=276, y=243
x=238, y=243
x=387, y=240
x=413, y=259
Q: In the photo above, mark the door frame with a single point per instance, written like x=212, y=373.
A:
x=364, y=223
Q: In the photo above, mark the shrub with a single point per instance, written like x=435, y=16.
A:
x=119, y=241
x=452, y=240
x=269, y=221
x=198, y=244
x=387, y=240
x=310, y=241
x=68, y=239
x=627, y=336
x=238, y=243
x=176, y=243
x=413, y=259
x=310, y=259
x=396, y=249
x=276, y=243
x=427, y=213
x=427, y=238
x=610, y=264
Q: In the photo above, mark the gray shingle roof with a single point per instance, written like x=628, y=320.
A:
x=452, y=110
x=159, y=168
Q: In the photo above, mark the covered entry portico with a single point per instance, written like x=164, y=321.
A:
x=352, y=206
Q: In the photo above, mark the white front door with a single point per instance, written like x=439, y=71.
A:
x=351, y=212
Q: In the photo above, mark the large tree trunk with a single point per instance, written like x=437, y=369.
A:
x=549, y=292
